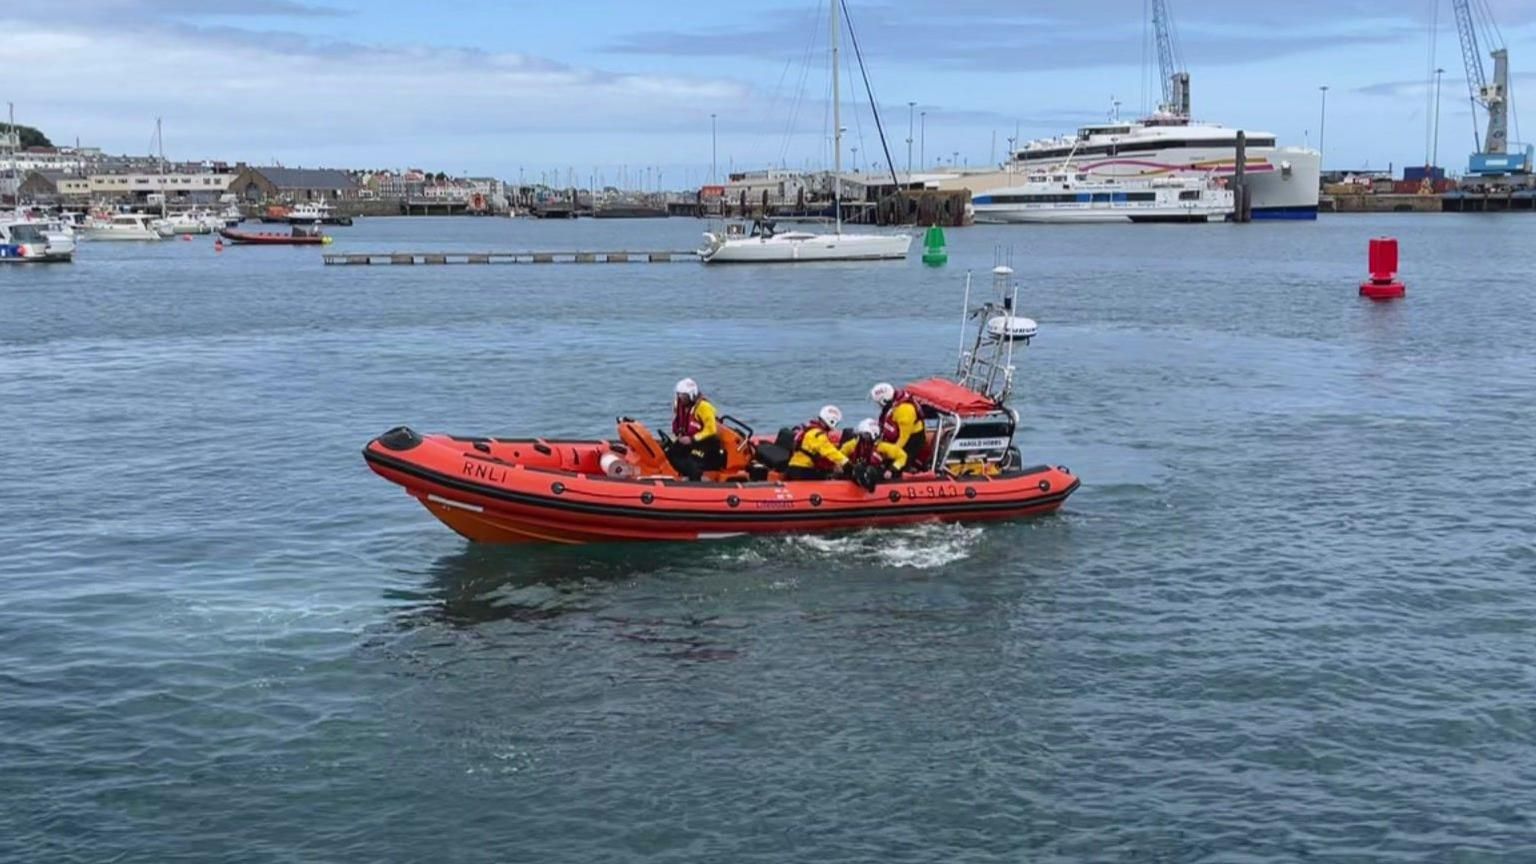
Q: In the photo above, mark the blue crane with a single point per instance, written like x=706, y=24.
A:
x=1492, y=157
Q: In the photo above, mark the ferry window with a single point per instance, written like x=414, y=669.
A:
x=1102, y=197
x=1140, y=196
x=1190, y=195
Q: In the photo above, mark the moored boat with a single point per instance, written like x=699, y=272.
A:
x=763, y=245
x=122, y=226
x=24, y=239
x=316, y=213
x=299, y=237
x=518, y=490
x=1068, y=195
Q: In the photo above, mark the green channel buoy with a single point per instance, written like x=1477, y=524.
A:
x=933, y=247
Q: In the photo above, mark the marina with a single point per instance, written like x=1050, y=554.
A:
x=1171, y=502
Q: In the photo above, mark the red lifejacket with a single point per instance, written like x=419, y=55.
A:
x=888, y=428
x=865, y=453
x=683, y=420
x=821, y=462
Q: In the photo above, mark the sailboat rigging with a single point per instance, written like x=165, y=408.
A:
x=763, y=244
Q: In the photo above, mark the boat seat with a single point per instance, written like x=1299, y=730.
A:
x=644, y=453
x=774, y=456
x=738, y=450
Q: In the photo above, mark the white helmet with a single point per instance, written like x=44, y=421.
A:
x=687, y=387
x=869, y=428
x=882, y=393
x=830, y=415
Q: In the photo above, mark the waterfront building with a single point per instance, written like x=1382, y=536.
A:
x=55, y=187
x=254, y=185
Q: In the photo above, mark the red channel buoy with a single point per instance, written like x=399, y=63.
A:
x=1383, y=284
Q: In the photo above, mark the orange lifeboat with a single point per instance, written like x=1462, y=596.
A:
x=518, y=490
x=505, y=490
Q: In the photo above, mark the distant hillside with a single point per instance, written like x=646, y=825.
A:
x=29, y=137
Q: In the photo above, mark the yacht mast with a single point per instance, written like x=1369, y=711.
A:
x=837, y=129
x=160, y=143
x=12, y=141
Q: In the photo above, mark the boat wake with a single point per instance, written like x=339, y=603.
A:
x=919, y=547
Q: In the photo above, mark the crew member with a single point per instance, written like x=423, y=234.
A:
x=872, y=456
x=901, y=421
x=815, y=456
x=695, y=446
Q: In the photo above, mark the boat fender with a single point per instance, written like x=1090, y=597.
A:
x=617, y=467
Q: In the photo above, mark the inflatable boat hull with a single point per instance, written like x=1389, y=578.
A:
x=520, y=491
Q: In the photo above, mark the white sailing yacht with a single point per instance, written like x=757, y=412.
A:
x=763, y=244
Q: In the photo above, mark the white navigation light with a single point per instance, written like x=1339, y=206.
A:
x=1013, y=327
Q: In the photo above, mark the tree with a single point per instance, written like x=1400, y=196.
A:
x=30, y=137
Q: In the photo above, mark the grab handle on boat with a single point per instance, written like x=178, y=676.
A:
x=741, y=428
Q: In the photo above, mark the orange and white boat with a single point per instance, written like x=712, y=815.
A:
x=516, y=490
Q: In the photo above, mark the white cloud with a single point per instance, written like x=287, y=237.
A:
x=237, y=94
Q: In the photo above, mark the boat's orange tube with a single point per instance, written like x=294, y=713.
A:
x=511, y=491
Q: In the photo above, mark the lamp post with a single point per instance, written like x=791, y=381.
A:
x=1434, y=158
x=910, y=106
x=712, y=149
x=1322, y=124
x=922, y=139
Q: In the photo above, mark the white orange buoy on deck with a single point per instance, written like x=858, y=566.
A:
x=1382, y=259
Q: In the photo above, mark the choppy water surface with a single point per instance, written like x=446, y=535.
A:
x=1287, y=617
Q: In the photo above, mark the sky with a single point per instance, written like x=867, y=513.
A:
x=628, y=90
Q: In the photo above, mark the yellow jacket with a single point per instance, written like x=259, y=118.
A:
x=704, y=412
x=891, y=454
x=815, y=447
x=907, y=422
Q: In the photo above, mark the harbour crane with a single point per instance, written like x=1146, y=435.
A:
x=1175, y=79
x=1492, y=157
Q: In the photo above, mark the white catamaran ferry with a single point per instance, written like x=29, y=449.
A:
x=1283, y=180
x=1068, y=195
